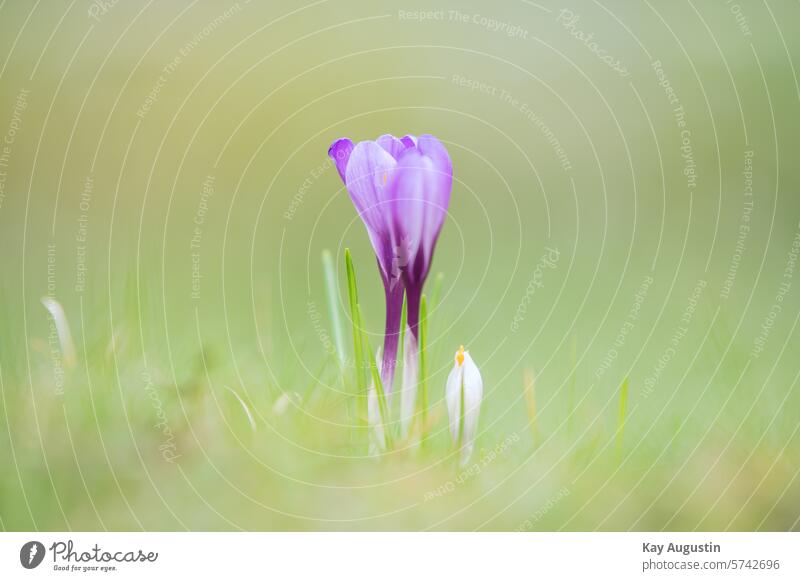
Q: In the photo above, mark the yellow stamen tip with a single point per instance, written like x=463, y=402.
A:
x=460, y=355
x=385, y=177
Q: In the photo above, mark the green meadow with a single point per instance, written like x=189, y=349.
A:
x=620, y=258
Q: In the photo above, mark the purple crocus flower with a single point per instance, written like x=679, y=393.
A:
x=401, y=190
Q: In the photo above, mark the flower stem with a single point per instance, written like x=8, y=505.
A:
x=414, y=296
x=394, y=310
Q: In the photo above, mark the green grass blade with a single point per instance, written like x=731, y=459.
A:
x=332, y=294
x=571, y=394
x=623, y=406
x=530, y=401
x=358, y=351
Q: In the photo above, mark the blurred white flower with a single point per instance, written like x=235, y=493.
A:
x=62, y=330
x=463, y=392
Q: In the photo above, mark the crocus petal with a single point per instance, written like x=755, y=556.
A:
x=408, y=393
x=409, y=140
x=367, y=177
x=339, y=152
x=421, y=194
x=392, y=145
x=413, y=301
x=431, y=147
x=411, y=180
x=391, y=336
x=464, y=376
x=437, y=197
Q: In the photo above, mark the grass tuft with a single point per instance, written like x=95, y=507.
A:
x=358, y=346
x=383, y=408
x=530, y=404
x=623, y=406
x=332, y=295
x=573, y=359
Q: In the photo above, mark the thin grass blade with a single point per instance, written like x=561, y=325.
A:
x=573, y=354
x=623, y=406
x=530, y=404
x=332, y=294
x=358, y=347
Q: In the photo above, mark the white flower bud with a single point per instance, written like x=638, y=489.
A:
x=463, y=392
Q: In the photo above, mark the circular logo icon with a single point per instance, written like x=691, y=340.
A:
x=31, y=554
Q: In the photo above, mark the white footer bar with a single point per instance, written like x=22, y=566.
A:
x=401, y=556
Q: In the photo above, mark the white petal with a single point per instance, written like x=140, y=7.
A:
x=468, y=374
x=408, y=393
x=473, y=393
x=453, y=397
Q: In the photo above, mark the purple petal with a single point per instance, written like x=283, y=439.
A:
x=421, y=188
x=413, y=300
x=409, y=141
x=339, y=152
x=410, y=182
x=367, y=177
x=431, y=147
x=438, y=194
x=394, y=310
x=391, y=144
x=395, y=146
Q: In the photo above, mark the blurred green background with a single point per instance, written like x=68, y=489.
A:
x=625, y=205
